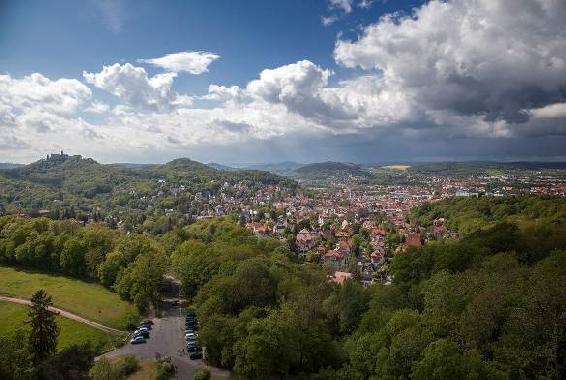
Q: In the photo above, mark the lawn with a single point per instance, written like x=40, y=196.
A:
x=89, y=300
x=400, y=168
x=13, y=317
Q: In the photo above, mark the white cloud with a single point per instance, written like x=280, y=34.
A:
x=344, y=5
x=40, y=94
x=193, y=62
x=222, y=93
x=491, y=59
x=111, y=11
x=97, y=107
x=365, y=4
x=552, y=111
x=327, y=21
x=134, y=87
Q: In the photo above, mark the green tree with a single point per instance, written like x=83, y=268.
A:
x=43, y=327
x=442, y=360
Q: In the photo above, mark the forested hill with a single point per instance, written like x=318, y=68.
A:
x=330, y=168
x=469, y=215
x=72, y=186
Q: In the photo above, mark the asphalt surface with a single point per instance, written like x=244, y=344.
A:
x=167, y=339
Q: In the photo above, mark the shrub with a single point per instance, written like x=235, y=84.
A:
x=202, y=374
x=165, y=369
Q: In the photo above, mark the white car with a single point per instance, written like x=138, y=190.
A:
x=191, y=336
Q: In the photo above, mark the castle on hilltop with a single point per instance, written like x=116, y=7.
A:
x=60, y=156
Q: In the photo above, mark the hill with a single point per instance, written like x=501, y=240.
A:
x=218, y=166
x=331, y=168
x=75, y=187
x=285, y=168
x=8, y=165
x=484, y=168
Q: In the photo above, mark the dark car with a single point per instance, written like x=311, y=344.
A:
x=195, y=355
x=147, y=322
x=146, y=325
x=191, y=313
x=192, y=349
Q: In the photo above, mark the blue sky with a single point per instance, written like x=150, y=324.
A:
x=308, y=80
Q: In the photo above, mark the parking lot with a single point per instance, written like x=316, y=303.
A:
x=167, y=339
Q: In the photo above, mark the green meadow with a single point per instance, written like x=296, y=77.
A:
x=89, y=300
x=13, y=317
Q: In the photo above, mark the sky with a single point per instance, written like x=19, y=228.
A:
x=236, y=81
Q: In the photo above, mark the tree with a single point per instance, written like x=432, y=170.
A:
x=442, y=360
x=141, y=281
x=104, y=370
x=43, y=327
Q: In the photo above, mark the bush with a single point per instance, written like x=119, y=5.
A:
x=165, y=369
x=127, y=365
x=202, y=374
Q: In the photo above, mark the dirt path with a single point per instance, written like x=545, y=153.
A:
x=67, y=314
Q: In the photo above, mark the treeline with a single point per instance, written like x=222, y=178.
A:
x=133, y=265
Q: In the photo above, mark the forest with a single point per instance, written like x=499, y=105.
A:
x=489, y=305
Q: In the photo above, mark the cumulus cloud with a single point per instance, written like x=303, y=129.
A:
x=298, y=86
x=223, y=94
x=493, y=59
x=192, y=62
x=360, y=103
x=134, y=87
x=41, y=95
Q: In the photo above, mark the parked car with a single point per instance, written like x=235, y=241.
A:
x=195, y=355
x=147, y=322
x=191, y=337
x=142, y=328
x=194, y=348
x=145, y=334
x=137, y=340
x=147, y=326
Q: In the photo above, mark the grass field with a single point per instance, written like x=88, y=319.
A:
x=88, y=300
x=400, y=168
x=13, y=317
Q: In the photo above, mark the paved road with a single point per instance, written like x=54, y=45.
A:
x=66, y=314
x=167, y=339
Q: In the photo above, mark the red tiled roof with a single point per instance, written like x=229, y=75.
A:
x=413, y=240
